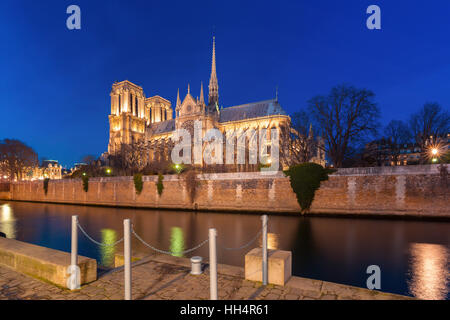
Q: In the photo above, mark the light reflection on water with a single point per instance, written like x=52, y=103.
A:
x=272, y=241
x=107, y=251
x=429, y=271
x=7, y=221
x=176, y=241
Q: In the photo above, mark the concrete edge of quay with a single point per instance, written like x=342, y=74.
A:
x=312, y=286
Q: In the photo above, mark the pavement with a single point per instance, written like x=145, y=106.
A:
x=161, y=277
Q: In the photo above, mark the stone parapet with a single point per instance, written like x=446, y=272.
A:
x=44, y=263
x=387, y=191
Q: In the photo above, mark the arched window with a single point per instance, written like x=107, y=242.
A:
x=119, y=104
x=130, y=99
x=136, y=106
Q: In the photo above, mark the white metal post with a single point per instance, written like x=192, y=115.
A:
x=265, y=274
x=127, y=257
x=213, y=263
x=74, y=242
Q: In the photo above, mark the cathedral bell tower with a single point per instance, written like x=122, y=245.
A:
x=127, y=118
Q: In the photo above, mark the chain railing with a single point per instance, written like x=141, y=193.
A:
x=96, y=242
x=129, y=231
x=167, y=252
x=244, y=245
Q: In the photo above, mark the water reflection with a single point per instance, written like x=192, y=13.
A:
x=429, y=273
x=7, y=221
x=176, y=241
x=330, y=249
x=272, y=241
x=107, y=251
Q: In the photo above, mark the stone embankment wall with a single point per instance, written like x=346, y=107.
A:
x=412, y=190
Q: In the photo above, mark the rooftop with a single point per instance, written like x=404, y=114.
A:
x=252, y=110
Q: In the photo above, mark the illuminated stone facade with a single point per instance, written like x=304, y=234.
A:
x=51, y=170
x=136, y=118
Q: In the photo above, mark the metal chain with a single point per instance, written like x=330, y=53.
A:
x=96, y=242
x=168, y=252
x=245, y=245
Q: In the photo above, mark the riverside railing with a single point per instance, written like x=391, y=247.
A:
x=128, y=231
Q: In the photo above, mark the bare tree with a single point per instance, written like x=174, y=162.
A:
x=429, y=125
x=16, y=157
x=346, y=115
x=297, y=142
x=89, y=159
x=131, y=159
x=397, y=133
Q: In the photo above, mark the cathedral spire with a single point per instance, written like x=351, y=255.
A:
x=213, y=96
x=202, y=99
x=178, y=98
x=189, y=88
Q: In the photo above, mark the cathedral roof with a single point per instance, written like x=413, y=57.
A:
x=251, y=111
x=162, y=127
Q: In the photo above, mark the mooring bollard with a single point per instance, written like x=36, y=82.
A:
x=213, y=264
x=74, y=242
x=265, y=275
x=196, y=265
x=127, y=257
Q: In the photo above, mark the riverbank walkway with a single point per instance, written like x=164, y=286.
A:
x=161, y=277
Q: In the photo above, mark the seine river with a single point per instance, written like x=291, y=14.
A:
x=413, y=255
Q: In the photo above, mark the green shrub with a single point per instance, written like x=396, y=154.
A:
x=159, y=184
x=46, y=180
x=85, y=179
x=305, y=179
x=138, y=184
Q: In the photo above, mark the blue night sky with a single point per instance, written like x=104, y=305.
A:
x=55, y=82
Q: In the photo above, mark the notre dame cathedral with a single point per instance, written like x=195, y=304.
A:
x=136, y=118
